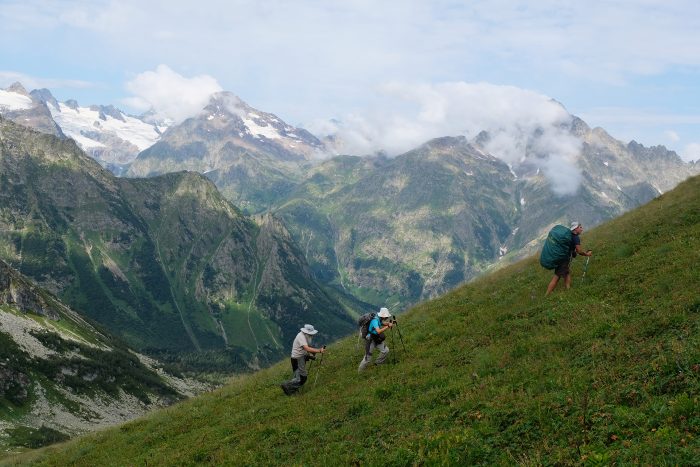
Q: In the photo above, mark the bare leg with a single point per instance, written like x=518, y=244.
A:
x=568, y=281
x=552, y=284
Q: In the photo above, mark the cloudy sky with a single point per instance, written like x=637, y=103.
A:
x=398, y=70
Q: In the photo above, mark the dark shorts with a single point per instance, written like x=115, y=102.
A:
x=563, y=269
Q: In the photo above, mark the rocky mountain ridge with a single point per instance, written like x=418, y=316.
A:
x=107, y=134
x=414, y=243
x=253, y=156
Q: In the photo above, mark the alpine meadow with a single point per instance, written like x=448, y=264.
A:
x=492, y=373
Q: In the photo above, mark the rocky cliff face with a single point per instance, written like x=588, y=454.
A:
x=29, y=109
x=19, y=293
x=60, y=376
x=167, y=263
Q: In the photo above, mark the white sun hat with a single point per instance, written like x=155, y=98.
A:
x=575, y=225
x=309, y=329
x=384, y=313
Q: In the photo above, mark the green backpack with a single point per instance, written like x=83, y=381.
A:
x=556, y=248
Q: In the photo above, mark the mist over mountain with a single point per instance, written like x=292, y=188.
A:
x=407, y=228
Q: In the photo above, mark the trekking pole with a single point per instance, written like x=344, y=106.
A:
x=319, y=367
x=585, y=268
x=400, y=336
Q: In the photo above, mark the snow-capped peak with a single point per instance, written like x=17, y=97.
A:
x=12, y=100
x=89, y=125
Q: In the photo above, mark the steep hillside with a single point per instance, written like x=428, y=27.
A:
x=60, y=376
x=492, y=373
x=166, y=263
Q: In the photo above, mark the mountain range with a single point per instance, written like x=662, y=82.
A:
x=401, y=229
x=166, y=263
x=107, y=134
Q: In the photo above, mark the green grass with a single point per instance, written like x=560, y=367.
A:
x=235, y=320
x=494, y=373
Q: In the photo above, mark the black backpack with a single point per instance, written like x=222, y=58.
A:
x=363, y=324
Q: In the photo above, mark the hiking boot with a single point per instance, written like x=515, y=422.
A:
x=286, y=390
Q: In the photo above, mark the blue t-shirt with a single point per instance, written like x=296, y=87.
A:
x=374, y=325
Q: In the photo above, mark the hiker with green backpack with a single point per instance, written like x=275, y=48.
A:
x=561, y=246
x=374, y=337
x=301, y=352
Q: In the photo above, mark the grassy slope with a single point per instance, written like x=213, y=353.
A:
x=495, y=373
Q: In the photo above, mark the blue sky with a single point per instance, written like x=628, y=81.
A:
x=632, y=67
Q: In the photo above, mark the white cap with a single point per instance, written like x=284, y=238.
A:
x=309, y=329
x=384, y=313
x=575, y=225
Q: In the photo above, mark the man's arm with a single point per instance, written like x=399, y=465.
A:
x=314, y=350
x=384, y=328
x=579, y=251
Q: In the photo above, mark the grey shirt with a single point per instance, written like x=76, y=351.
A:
x=298, y=346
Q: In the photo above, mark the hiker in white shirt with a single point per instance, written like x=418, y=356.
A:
x=301, y=352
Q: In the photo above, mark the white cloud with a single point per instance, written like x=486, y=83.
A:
x=169, y=94
x=509, y=114
x=672, y=136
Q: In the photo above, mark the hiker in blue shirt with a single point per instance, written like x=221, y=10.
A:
x=375, y=339
x=562, y=269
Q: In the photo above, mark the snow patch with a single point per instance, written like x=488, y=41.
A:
x=83, y=141
x=10, y=101
x=605, y=163
x=74, y=122
x=522, y=201
x=515, y=176
x=268, y=132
